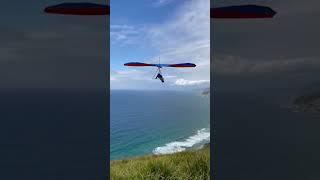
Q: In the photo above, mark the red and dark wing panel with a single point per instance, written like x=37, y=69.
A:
x=138, y=64
x=79, y=9
x=244, y=11
x=181, y=65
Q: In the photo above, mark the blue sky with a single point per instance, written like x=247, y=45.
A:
x=175, y=30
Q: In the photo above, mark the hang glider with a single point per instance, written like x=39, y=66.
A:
x=242, y=12
x=79, y=9
x=159, y=66
x=181, y=65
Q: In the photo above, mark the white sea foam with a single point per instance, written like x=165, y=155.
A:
x=202, y=135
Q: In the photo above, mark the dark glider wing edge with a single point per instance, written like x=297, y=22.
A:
x=78, y=9
x=242, y=12
x=138, y=64
x=181, y=65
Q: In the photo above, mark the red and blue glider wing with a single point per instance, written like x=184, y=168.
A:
x=243, y=11
x=180, y=65
x=138, y=64
x=79, y=9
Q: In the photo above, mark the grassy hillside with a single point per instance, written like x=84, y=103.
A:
x=186, y=165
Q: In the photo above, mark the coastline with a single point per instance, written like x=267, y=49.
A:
x=161, y=129
x=203, y=146
x=195, y=141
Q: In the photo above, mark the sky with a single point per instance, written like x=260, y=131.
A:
x=176, y=31
x=271, y=55
x=39, y=50
x=51, y=51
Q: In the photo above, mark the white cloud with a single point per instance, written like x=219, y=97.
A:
x=128, y=75
x=183, y=82
x=187, y=30
x=129, y=72
x=159, y=3
x=169, y=77
x=184, y=37
x=124, y=34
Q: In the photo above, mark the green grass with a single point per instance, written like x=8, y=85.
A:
x=186, y=165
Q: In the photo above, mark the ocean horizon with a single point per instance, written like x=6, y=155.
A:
x=157, y=122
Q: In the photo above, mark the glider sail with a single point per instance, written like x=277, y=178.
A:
x=159, y=66
x=242, y=11
x=180, y=65
x=79, y=9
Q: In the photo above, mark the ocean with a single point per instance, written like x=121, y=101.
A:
x=157, y=122
x=258, y=136
x=53, y=133
x=62, y=133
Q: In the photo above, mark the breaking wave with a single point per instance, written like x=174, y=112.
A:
x=202, y=136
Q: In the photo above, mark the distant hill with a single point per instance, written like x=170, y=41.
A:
x=193, y=164
x=308, y=103
x=206, y=91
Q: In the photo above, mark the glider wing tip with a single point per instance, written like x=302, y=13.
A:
x=274, y=13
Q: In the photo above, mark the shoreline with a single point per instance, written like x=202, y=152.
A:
x=203, y=146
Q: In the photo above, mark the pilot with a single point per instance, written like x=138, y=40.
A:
x=160, y=77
